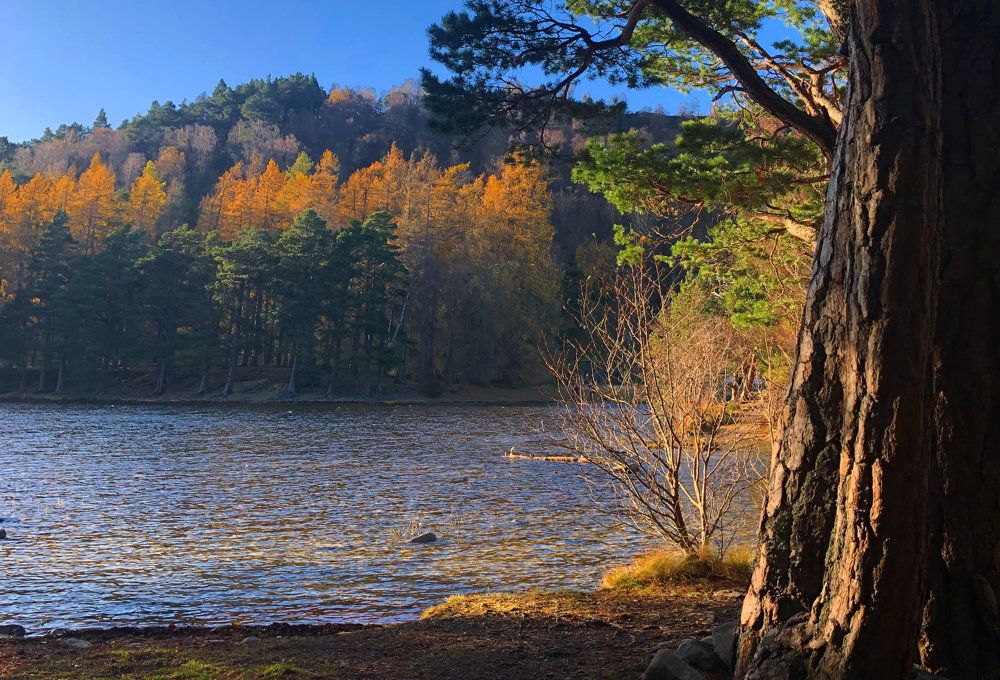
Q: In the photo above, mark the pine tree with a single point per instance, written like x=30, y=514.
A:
x=49, y=270
x=304, y=253
x=176, y=278
x=375, y=300
x=101, y=122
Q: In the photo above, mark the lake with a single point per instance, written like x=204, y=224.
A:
x=128, y=515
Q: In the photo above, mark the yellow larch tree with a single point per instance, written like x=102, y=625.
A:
x=517, y=203
x=238, y=211
x=62, y=189
x=513, y=240
x=295, y=194
x=94, y=206
x=146, y=200
x=26, y=211
x=388, y=190
x=8, y=188
x=263, y=197
x=267, y=208
x=323, y=188
x=357, y=197
x=215, y=207
x=171, y=167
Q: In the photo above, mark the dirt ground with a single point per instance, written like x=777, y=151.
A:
x=604, y=635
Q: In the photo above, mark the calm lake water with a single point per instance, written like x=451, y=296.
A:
x=158, y=515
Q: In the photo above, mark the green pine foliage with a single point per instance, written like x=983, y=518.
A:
x=330, y=303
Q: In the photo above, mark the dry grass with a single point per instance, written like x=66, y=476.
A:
x=674, y=570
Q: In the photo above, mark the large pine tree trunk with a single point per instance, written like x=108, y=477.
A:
x=836, y=593
x=962, y=624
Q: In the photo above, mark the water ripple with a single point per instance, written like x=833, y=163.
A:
x=158, y=515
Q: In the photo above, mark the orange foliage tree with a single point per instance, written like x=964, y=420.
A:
x=146, y=200
x=94, y=206
x=261, y=196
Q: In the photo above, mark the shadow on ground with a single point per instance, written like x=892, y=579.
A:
x=602, y=635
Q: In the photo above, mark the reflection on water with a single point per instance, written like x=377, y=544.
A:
x=141, y=515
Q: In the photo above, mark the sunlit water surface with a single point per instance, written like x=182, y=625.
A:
x=159, y=515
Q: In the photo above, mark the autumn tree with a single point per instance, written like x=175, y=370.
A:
x=94, y=206
x=512, y=245
x=25, y=214
x=146, y=200
x=261, y=196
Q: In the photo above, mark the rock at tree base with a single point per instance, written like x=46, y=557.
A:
x=668, y=666
x=428, y=537
x=724, y=641
x=11, y=631
x=701, y=654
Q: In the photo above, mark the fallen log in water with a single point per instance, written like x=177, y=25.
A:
x=552, y=459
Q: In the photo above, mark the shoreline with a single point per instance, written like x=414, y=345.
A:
x=588, y=635
x=298, y=403
x=270, y=395
x=268, y=387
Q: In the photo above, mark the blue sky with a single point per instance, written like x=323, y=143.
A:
x=63, y=60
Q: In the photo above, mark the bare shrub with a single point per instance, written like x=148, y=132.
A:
x=668, y=402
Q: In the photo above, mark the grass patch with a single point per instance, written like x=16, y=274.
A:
x=129, y=659
x=483, y=604
x=280, y=670
x=196, y=670
x=666, y=569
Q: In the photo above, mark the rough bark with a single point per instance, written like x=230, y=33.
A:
x=835, y=593
x=961, y=637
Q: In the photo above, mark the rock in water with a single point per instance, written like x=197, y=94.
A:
x=701, y=654
x=11, y=631
x=724, y=641
x=668, y=666
x=3, y=535
x=428, y=537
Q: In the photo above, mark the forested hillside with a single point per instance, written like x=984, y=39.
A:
x=333, y=233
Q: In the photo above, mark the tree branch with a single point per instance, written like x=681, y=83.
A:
x=818, y=128
x=798, y=230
